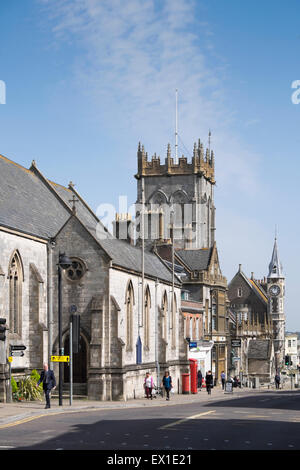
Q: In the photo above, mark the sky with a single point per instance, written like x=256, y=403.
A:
x=83, y=81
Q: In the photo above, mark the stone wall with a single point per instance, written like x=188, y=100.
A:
x=33, y=256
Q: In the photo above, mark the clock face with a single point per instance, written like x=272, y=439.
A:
x=274, y=290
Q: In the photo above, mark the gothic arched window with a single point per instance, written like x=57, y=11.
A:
x=173, y=323
x=15, y=275
x=129, y=315
x=147, y=307
x=165, y=315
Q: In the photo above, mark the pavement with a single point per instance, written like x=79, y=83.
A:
x=15, y=413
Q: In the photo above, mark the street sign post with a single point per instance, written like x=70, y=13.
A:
x=17, y=347
x=60, y=358
x=228, y=387
x=17, y=353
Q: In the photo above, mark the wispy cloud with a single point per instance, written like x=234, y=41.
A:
x=135, y=54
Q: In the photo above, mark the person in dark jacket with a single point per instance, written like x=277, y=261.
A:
x=199, y=375
x=277, y=380
x=209, y=380
x=48, y=379
x=167, y=383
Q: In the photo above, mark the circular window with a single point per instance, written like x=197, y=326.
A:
x=76, y=271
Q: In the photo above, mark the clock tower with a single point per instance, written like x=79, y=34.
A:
x=276, y=293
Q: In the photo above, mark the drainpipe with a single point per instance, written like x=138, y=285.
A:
x=50, y=247
x=156, y=337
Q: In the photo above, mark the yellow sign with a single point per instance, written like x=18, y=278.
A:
x=10, y=359
x=60, y=358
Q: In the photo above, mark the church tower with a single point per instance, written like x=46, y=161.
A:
x=276, y=294
x=177, y=198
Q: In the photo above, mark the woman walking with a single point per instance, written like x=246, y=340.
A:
x=148, y=384
x=167, y=383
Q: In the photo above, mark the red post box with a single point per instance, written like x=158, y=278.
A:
x=194, y=378
x=185, y=383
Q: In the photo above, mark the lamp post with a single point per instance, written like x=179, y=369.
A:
x=63, y=263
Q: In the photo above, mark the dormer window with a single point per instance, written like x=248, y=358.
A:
x=185, y=295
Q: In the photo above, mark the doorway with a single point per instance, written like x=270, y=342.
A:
x=79, y=362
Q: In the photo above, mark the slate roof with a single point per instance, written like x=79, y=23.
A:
x=36, y=206
x=259, y=349
x=83, y=212
x=26, y=204
x=195, y=259
x=130, y=257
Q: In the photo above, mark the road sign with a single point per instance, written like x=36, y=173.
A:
x=193, y=344
x=17, y=347
x=235, y=343
x=17, y=353
x=10, y=359
x=228, y=387
x=60, y=358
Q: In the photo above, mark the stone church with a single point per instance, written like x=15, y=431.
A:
x=142, y=293
x=129, y=303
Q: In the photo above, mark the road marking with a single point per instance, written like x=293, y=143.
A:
x=256, y=416
x=21, y=421
x=184, y=420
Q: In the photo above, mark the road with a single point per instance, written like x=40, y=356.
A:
x=263, y=421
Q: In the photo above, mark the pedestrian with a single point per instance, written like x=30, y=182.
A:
x=199, y=375
x=277, y=380
x=223, y=379
x=167, y=384
x=148, y=384
x=209, y=380
x=49, y=383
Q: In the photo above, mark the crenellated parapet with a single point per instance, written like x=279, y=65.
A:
x=201, y=164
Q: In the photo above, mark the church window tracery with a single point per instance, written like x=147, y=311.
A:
x=76, y=271
x=15, y=275
x=129, y=315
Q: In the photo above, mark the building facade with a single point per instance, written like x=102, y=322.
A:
x=175, y=202
x=258, y=307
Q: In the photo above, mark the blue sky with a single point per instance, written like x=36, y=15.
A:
x=86, y=80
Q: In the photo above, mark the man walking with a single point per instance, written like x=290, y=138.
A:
x=48, y=379
x=209, y=380
x=199, y=375
x=277, y=380
x=223, y=379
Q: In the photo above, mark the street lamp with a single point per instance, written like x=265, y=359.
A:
x=63, y=263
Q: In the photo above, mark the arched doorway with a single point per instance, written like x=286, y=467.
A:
x=79, y=362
